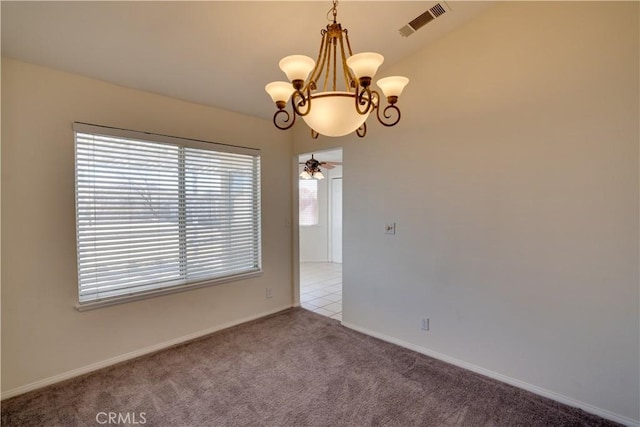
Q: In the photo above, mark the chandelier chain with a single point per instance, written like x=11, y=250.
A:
x=334, y=11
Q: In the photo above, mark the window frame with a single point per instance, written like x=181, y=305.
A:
x=86, y=128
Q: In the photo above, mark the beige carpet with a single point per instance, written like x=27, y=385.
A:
x=295, y=368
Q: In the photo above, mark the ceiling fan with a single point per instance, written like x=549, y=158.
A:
x=312, y=168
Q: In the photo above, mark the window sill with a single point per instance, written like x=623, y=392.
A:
x=92, y=305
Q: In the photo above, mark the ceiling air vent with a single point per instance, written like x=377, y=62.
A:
x=436, y=11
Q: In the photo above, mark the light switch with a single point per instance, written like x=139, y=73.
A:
x=390, y=228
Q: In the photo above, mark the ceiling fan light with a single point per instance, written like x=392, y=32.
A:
x=365, y=64
x=279, y=91
x=392, y=86
x=318, y=175
x=305, y=175
x=297, y=67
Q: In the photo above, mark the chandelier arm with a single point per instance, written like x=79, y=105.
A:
x=375, y=98
x=387, y=115
x=317, y=70
x=362, y=100
x=362, y=130
x=335, y=65
x=346, y=36
x=326, y=60
x=288, y=117
x=299, y=99
x=349, y=79
x=385, y=112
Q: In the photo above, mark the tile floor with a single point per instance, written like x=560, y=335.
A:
x=321, y=288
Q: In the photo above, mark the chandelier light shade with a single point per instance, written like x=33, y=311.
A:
x=334, y=114
x=365, y=64
x=279, y=91
x=297, y=67
x=333, y=94
x=392, y=86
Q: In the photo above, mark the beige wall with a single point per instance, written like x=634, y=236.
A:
x=513, y=180
x=42, y=333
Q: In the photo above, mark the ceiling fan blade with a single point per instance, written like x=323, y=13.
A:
x=328, y=166
x=335, y=163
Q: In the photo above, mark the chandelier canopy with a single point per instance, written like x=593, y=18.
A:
x=315, y=94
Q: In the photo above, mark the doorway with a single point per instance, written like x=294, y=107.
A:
x=320, y=233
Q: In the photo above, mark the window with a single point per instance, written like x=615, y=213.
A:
x=308, y=202
x=156, y=214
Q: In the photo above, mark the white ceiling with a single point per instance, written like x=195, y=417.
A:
x=218, y=53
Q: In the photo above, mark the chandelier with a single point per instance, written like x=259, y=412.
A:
x=333, y=94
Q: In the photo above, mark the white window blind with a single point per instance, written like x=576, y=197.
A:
x=157, y=213
x=308, y=202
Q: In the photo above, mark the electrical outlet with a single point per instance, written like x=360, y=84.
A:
x=390, y=228
x=425, y=324
x=268, y=293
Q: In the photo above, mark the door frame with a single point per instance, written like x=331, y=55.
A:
x=295, y=221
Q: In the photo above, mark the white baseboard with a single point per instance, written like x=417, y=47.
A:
x=132, y=355
x=503, y=378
